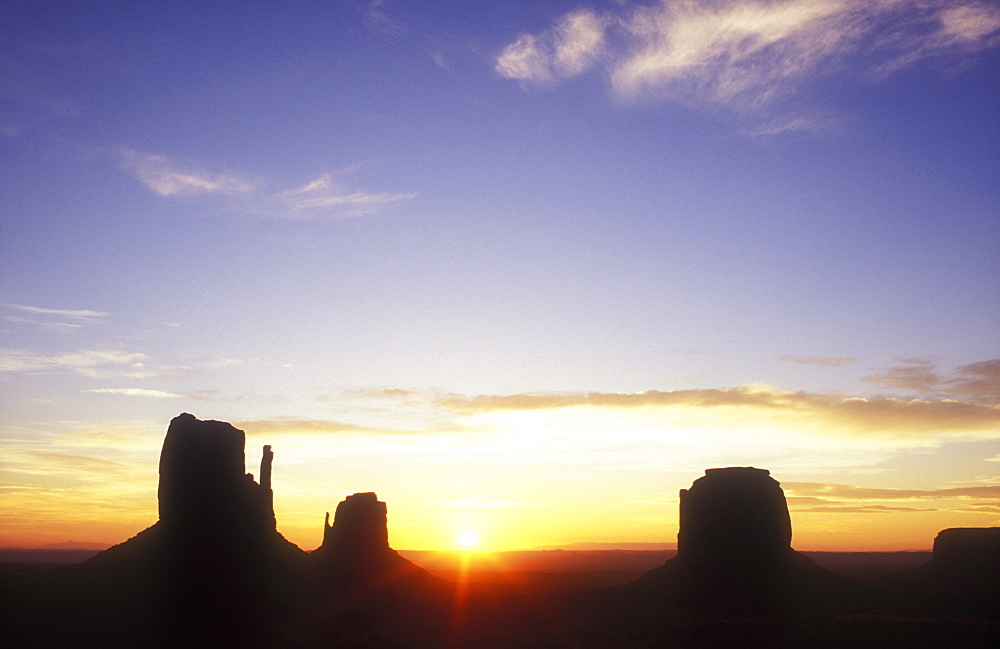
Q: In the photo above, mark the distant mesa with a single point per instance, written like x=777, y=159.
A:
x=972, y=551
x=360, y=528
x=355, y=549
x=963, y=575
x=734, y=549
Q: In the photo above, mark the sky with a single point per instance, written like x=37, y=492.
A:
x=524, y=269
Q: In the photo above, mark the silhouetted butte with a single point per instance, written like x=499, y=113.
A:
x=355, y=551
x=963, y=576
x=215, y=539
x=734, y=550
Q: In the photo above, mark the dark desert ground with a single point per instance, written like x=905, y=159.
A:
x=214, y=572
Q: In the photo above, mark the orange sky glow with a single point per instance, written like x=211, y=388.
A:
x=526, y=471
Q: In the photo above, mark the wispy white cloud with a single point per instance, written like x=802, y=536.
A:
x=325, y=197
x=579, y=42
x=734, y=53
x=955, y=28
x=57, y=320
x=168, y=177
x=817, y=360
x=88, y=362
x=526, y=59
x=19, y=360
x=57, y=327
x=378, y=17
x=808, y=120
x=136, y=392
x=744, y=56
x=83, y=315
x=977, y=381
x=569, y=48
x=95, y=364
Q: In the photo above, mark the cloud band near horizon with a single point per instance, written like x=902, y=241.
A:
x=889, y=415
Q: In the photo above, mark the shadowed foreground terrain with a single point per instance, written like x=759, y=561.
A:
x=214, y=571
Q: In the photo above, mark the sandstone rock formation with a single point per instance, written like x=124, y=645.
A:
x=216, y=535
x=734, y=549
x=963, y=576
x=355, y=549
x=731, y=513
x=203, y=489
x=360, y=526
x=974, y=551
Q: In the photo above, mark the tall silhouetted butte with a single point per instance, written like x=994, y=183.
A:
x=218, y=524
x=215, y=545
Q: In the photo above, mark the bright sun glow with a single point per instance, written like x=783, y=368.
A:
x=468, y=539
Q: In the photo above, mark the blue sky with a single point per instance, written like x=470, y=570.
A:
x=344, y=216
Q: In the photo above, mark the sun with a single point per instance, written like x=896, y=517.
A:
x=468, y=539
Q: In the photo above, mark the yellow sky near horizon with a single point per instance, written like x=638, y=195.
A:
x=530, y=470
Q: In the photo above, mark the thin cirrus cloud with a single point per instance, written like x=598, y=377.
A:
x=136, y=392
x=379, y=19
x=91, y=363
x=81, y=315
x=63, y=461
x=829, y=491
x=84, y=362
x=325, y=198
x=167, y=177
x=976, y=381
x=322, y=198
x=817, y=360
x=855, y=509
x=292, y=425
x=875, y=415
x=820, y=497
x=57, y=320
x=743, y=56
